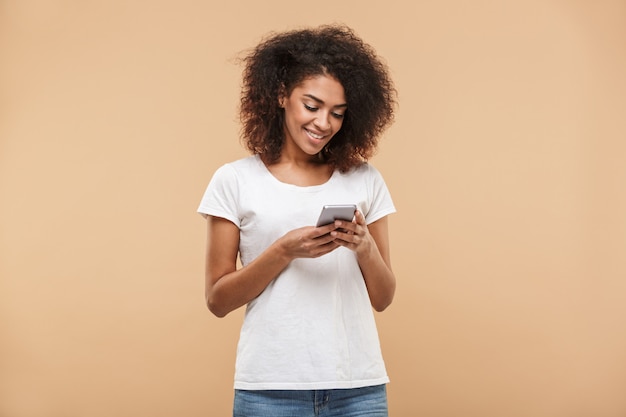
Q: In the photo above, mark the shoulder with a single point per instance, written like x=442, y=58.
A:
x=238, y=168
x=249, y=163
x=364, y=171
x=368, y=176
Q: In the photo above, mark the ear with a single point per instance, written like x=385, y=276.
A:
x=282, y=96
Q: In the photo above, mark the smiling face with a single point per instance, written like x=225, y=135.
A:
x=314, y=113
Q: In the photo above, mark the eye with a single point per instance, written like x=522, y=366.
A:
x=309, y=108
x=337, y=115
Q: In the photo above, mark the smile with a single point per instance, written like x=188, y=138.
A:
x=314, y=135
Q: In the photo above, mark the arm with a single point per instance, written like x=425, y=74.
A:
x=228, y=288
x=371, y=245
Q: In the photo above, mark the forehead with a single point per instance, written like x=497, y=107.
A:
x=323, y=87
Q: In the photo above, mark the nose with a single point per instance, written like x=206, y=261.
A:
x=323, y=121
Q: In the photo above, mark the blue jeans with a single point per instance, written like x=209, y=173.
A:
x=355, y=402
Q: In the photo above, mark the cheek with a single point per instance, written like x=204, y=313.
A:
x=297, y=116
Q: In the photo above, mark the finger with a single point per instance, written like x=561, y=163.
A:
x=345, y=226
x=343, y=238
x=358, y=216
x=324, y=249
x=323, y=230
x=324, y=239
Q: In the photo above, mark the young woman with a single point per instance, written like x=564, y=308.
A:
x=313, y=106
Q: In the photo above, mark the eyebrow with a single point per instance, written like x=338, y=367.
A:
x=319, y=100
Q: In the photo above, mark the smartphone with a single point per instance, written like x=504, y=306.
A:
x=330, y=213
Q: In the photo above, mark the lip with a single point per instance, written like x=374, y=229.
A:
x=315, y=136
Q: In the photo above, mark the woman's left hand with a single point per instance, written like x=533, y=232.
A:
x=371, y=246
x=353, y=235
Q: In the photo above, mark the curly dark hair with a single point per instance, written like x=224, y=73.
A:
x=282, y=61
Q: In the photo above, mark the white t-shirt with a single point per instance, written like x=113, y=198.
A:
x=313, y=326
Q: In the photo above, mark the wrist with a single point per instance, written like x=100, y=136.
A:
x=366, y=250
x=281, y=252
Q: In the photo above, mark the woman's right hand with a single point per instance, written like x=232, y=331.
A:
x=308, y=242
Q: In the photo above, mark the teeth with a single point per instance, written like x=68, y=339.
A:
x=314, y=135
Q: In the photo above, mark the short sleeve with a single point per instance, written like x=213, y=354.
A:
x=221, y=198
x=381, y=203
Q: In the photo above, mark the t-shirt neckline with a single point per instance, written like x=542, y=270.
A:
x=306, y=188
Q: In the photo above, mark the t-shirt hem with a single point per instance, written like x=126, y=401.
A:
x=205, y=212
x=253, y=386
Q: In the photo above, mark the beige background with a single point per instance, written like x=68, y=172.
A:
x=507, y=165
